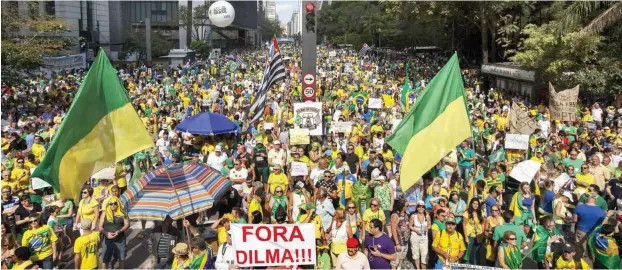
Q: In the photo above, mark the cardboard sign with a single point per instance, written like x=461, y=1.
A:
x=341, y=127
x=517, y=141
x=273, y=244
x=374, y=103
x=308, y=115
x=299, y=136
x=563, y=105
x=521, y=122
x=299, y=168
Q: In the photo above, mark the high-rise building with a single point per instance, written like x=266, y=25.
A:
x=271, y=10
x=294, y=22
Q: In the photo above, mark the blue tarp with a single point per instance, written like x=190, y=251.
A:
x=208, y=124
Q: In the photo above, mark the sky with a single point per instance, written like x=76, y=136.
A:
x=284, y=9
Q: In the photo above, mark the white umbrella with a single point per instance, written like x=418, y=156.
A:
x=106, y=173
x=525, y=171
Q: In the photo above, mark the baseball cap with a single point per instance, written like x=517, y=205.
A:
x=569, y=247
x=276, y=142
x=450, y=220
x=352, y=243
x=218, y=148
x=421, y=203
x=568, y=195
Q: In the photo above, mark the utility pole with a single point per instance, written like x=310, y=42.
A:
x=189, y=31
x=148, y=39
x=309, y=50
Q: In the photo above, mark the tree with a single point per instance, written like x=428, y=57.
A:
x=200, y=21
x=200, y=48
x=134, y=42
x=27, y=39
x=269, y=28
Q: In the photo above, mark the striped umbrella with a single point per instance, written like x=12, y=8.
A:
x=153, y=198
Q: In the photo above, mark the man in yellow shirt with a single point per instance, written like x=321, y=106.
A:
x=584, y=180
x=38, y=149
x=86, y=247
x=21, y=174
x=538, y=157
x=277, y=179
x=449, y=245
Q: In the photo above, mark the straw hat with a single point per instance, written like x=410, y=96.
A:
x=180, y=249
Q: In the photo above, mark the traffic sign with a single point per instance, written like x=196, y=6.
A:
x=308, y=79
x=308, y=92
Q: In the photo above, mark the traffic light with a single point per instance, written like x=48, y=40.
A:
x=310, y=17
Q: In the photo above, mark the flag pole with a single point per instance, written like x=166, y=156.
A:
x=176, y=194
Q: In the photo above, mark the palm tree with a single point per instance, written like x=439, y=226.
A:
x=605, y=13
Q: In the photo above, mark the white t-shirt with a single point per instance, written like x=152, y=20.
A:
x=597, y=113
x=216, y=162
x=316, y=174
x=278, y=157
x=162, y=145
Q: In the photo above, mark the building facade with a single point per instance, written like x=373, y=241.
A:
x=271, y=10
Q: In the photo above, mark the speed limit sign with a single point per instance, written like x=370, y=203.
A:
x=308, y=92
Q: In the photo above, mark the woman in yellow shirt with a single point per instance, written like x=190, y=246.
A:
x=88, y=208
x=473, y=231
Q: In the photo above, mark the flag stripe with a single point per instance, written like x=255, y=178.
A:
x=100, y=94
x=275, y=70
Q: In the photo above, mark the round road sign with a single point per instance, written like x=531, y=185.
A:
x=308, y=79
x=308, y=92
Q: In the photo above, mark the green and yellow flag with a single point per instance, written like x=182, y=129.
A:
x=100, y=129
x=435, y=125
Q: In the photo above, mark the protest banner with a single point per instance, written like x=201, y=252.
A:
x=374, y=103
x=525, y=171
x=299, y=168
x=308, y=115
x=63, y=63
x=299, y=136
x=563, y=105
x=517, y=141
x=332, y=53
x=341, y=127
x=273, y=244
x=521, y=122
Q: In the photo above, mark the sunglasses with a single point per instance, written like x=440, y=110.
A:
x=85, y=192
x=278, y=191
x=495, y=210
x=374, y=205
x=351, y=207
x=420, y=206
x=511, y=239
x=111, y=204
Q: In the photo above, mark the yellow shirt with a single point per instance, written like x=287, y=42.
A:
x=388, y=158
x=13, y=184
x=97, y=191
x=30, y=165
x=38, y=150
x=473, y=226
x=119, y=169
x=348, y=188
x=316, y=220
x=536, y=159
x=563, y=264
x=368, y=215
x=86, y=209
x=376, y=129
x=585, y=179
x=222, y=235
x=88, y=248
x=17, y=175
x=23, y=265
x=40, y=242
x=277, y=180
x=452, y=244
x=443, y=191
x=252, y=207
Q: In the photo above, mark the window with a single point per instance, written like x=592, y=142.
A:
x=50, y=8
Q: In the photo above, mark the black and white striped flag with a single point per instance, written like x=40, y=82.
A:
x=274, y=71
x=364, y=50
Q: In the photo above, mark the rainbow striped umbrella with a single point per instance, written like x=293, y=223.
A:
x=153, y=198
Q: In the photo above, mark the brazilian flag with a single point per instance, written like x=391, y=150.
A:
x=359, y=98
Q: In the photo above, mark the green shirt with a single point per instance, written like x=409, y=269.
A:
x=600, y=201
x=501, y=229
x=574, y=163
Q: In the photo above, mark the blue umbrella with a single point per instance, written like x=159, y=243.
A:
x=208, y=124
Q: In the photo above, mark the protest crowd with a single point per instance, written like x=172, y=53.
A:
x=331, y=166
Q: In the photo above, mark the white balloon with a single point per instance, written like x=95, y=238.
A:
x=221, y=13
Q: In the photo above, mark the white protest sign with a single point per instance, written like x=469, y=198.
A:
x=65, y=62
x=308, y=115
x=516, y=141
x=268, y=125
x=299, y=136
x=299, y=168
x=374, y=103
x=332, y=53
x=525, y=171
x=273, y=244
x=341, y=127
